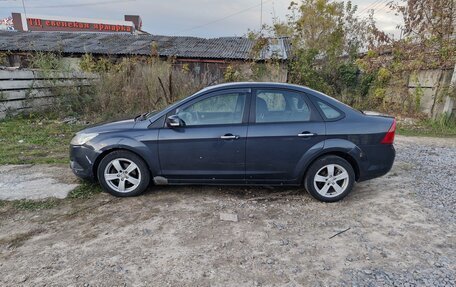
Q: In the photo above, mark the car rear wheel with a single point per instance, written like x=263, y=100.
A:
x=122, y=173
x=330, y=178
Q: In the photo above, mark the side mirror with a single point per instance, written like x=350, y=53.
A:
x=174, y=121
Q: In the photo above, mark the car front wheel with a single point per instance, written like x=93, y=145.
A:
x=122, y=173
x=330, y=178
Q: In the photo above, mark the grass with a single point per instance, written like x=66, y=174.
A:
x=32, y=205
x=35, y=140
x=441, y=127
x=39, y=141
x=85, y=190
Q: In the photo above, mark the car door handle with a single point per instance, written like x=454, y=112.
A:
x=306, y=134
x=229, y=137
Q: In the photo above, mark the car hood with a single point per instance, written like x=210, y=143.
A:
x=111, y=126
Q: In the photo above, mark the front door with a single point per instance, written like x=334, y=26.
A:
x=284, y=127
x=210, y=145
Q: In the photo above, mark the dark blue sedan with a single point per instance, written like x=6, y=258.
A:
x=240, y=134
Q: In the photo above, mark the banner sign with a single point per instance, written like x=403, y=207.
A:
x=35, y=24
x=68, y=24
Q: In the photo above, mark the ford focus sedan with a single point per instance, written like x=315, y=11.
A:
x=240, y=134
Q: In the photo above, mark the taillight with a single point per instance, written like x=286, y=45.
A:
x=389, y=137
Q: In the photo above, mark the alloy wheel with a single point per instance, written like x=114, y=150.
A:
x=122, y=175
x=331, y=180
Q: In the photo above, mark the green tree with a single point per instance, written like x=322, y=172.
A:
x=326, y=38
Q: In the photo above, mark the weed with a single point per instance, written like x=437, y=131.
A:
x=442, y=126
x=85, y=191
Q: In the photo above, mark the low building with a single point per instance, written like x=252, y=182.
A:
x=199, y=55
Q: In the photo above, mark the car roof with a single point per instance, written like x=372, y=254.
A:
x=254, y=85
x=246, y=85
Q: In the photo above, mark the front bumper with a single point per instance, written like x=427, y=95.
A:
x=82, y=161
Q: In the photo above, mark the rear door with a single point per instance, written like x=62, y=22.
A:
x=284, y=125
x=210, y=147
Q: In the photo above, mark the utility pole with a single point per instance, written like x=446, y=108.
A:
x=273, y=11
x=25, y=11
x=449, y=105
x=261, y=15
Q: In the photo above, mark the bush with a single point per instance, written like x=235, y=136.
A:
x=132, y=87
x=120, y=89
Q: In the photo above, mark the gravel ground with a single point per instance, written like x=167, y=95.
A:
x=433, y=164
x=398, y=230
x=407, y=277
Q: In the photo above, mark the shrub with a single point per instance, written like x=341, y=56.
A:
x=132, y=87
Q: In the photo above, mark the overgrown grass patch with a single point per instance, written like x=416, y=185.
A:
x=85, y=190
x=35, y=140
x=440, y=127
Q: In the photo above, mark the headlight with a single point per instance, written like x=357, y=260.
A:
x=82, y=138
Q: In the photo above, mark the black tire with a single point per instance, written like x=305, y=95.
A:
x=320, y=166
x=141, y=174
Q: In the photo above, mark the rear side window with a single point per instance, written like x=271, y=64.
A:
x=281, y=106
x=329, y=112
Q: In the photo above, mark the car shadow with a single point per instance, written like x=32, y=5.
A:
x=267, y=193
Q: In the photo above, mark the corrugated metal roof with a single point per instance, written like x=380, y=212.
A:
x=128, y=44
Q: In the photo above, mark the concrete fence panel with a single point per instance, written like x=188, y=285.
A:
x=25, y=90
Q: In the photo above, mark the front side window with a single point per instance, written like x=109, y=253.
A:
x=221, y=109
x=281, y=106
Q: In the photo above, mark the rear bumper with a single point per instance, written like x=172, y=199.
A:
x=82, y=160
x=380, y=159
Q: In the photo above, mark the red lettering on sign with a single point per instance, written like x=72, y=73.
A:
x=56, y=25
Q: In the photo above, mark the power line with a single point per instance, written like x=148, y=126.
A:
x=226, y=17
x=71, y=5
x=375, y=5
x=368, y=6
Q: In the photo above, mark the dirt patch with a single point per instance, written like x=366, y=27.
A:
x=18, y=239
x=173, y=236
x=35, y=181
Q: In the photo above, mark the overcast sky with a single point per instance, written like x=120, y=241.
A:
x=202, y=18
